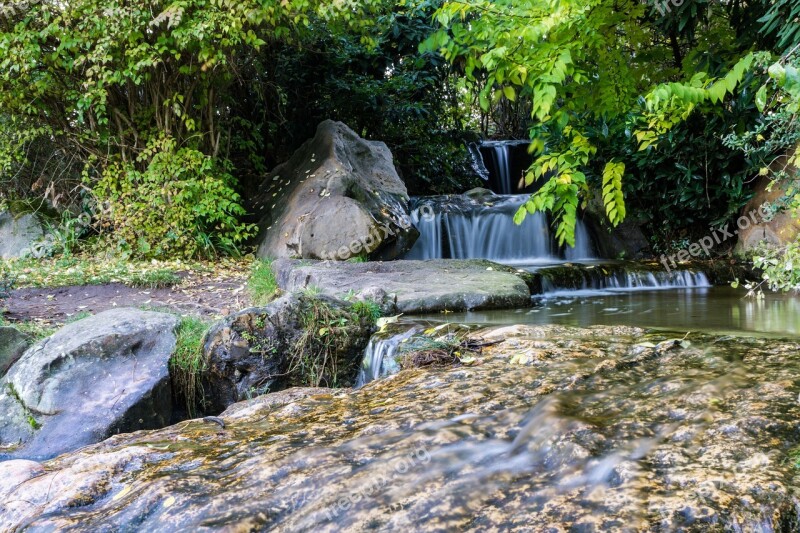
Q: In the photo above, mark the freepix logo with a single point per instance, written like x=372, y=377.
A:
x=10, y=10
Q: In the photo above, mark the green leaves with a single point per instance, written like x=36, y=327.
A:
x=612, y=191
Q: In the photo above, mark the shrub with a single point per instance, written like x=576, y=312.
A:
x=181, y=204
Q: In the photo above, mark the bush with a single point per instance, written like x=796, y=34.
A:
x=182, y=204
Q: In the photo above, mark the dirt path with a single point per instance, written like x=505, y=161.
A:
x=195, y=295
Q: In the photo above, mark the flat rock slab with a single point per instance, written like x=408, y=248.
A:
x=410, y=286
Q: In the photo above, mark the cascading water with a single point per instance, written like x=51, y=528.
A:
x=589, y=281
x=505, y=161
x=459, y=227
x=379, y=358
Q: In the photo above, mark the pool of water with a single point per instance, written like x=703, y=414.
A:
x=712, y=310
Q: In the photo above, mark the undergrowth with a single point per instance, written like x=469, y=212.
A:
x=187, y=363
x=321, y=356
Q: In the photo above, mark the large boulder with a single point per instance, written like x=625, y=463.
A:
x=13, y=344
x=778, y=229
x=411, y=286
x=18, y=234
x=94, y=378
x=338, y=197
x=297, y=340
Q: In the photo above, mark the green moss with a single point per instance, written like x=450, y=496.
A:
x=262, y=285
x=35, y=330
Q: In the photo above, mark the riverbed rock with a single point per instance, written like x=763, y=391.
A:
x=338, y=197
x=13, y=344
x=411, y=286
x=779, y=229
x=255, y=351
x=94, y=378
x=552, y=428
x=18, y=234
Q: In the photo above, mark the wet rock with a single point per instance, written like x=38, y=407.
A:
x=13, y=344
x=100, y=376
x=338, y=197
x=16, y=472
x=18, y=234
x=498, y=447
x=411, y=286
x=779, y=228
x=255, y=351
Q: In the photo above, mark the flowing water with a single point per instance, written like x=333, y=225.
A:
x=483, y=228
x=554, y=428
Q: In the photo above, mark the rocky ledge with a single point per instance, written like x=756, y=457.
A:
x=410, y=286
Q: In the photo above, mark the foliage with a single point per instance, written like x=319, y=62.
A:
x=367, y=309
x=181, y=205
x=385, y=89
x=138, y=95
x=188, y=363
x=7, y=281
x=601, y=70
x=262, y=285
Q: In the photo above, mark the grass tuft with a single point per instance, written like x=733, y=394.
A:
x=161, y=278
x=187, y=363
x=262, y=285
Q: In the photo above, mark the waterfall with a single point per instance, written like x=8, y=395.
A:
x=506, y=161
x=589, y=281
x=379, y=355
x=460, y=227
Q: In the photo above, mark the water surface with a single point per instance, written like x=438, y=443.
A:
x=711, y=310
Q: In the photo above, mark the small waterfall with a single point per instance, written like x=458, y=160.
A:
x=587, y=281
x=506, y=162
x=379, y=355
x=459, y=227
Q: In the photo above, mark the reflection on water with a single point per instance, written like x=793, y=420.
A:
x=719, y=309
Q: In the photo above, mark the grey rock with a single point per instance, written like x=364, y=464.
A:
x=537, y=435
x=13, y=344
x=338, y=197
x=18, y=234
x=104, y=375
x=411, y=286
